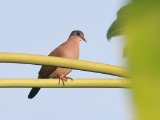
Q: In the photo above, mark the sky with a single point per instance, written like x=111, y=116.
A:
x=39, y=26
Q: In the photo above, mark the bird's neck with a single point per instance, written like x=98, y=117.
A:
x=73, y=45
x=74, y=39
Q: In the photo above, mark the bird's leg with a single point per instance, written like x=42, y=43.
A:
x=68, y=78
x=61, y=78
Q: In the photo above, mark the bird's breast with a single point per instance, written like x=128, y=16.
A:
x=71, y=52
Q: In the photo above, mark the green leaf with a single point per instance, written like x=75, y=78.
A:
x=118, y=26
x=115, y=29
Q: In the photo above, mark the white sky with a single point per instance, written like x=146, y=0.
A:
x=37, y=27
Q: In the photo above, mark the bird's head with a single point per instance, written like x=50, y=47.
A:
x=79, y=34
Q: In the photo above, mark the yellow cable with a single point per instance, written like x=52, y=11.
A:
x=76, y=83
x=63, y=62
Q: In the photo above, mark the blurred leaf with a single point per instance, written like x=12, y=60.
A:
x=143, y=47
x=125, y=51
x=118, y=26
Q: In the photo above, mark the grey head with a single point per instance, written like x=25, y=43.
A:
x=78, y=33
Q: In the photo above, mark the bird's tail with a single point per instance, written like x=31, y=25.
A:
x=33, y=92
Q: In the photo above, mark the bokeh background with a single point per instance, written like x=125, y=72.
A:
x=37, y=27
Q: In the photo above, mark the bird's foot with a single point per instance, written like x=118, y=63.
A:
x=68, y=78
x=64, y=78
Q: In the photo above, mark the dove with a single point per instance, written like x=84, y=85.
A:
x=69, y=49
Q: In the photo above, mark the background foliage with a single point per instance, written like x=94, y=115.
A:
x=143, y=43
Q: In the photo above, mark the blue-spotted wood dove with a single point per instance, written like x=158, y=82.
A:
x=69, y=49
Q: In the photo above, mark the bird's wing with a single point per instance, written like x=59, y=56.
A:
x=45, y=70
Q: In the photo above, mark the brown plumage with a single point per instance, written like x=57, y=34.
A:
x=69, y=49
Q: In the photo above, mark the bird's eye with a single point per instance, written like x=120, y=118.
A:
x=78, y=33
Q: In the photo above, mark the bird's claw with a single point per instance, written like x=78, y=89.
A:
x=68, y=78
x=64, y=79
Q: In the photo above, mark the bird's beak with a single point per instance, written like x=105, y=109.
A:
x=83, y=39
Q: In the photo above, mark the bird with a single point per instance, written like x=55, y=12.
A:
x=69, y=49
